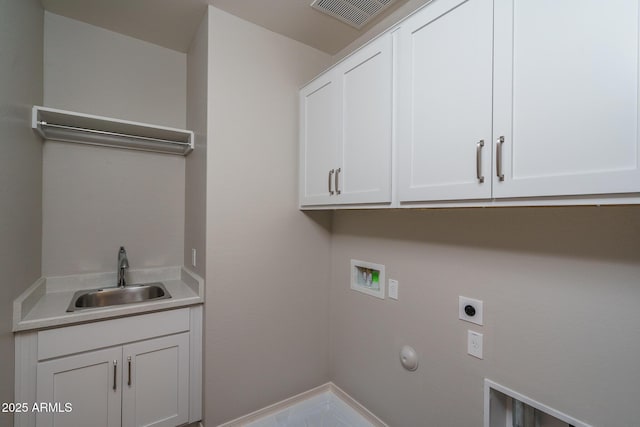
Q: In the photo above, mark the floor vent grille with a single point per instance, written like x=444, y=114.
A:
x=356, y=13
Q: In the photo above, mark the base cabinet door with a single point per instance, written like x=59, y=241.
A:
x=155, y=382
x=89, y=382
x=566, y=98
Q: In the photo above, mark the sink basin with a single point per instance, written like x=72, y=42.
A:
x=106, y=297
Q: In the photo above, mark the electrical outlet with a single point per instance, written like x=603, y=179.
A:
x=393, y=289
x=474, y=344
x=470, y=310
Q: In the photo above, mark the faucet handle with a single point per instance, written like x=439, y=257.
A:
x=123, y=264
x=123, y=261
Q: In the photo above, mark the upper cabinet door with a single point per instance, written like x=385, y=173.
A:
x=366, y=80
x=346, y=130
x=566, y=97
x=444, y=103
x=320, y=138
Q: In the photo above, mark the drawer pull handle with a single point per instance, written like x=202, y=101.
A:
x=338, y=180
x=331, y=172
x=115, y=373
x=499, y=159
x=479, y=146
x=129, y=362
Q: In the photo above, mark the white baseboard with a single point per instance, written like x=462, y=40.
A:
x=357, y=406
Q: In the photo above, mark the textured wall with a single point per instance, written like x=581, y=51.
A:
x=267, y=311
x=21, y=48
x=97, y=71
x=96, y=199
x=560, y=288
x=196, y=163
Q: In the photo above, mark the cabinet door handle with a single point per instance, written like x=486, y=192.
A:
x=115, y=373
x=338, y=180
x=479, y=175
x=499, y=159
x=331, y=172
x=129, y=374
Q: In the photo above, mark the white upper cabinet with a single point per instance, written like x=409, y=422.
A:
x=488, y=102
x=566, y=97
x=320, y=118
x=346, y=130
x=444, y=102
x=367, y=107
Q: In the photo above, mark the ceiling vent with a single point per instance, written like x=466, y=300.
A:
x=356, y=13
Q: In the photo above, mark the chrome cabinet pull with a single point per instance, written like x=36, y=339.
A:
x=338, y=180
x=479, y=175
x=331, y=172
x=129, y=361
x=115, y=371
x=499, y=159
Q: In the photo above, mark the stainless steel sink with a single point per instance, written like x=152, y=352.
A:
x=106, y=297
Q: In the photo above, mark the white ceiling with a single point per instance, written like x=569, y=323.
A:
x=172, y=23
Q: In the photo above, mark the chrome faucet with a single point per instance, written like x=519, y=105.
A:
x=123, y=264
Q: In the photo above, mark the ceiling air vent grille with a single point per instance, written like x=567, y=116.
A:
x=356, y=13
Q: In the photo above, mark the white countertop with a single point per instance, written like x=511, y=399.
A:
x=44, y=304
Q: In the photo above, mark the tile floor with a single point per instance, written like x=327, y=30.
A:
x=323, y=410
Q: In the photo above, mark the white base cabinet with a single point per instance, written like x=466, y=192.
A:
x=128, y=372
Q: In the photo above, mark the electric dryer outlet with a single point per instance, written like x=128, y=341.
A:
x=470, y=310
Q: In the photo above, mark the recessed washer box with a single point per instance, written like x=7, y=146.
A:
x=368, y=278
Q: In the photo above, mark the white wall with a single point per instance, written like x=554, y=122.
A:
x=266, y=327
x=560, y=288
x=96, y=71
x=196, y=162
x=20, y=169
x=96, y=199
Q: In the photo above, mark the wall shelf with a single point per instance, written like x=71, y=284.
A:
x=69, y=126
